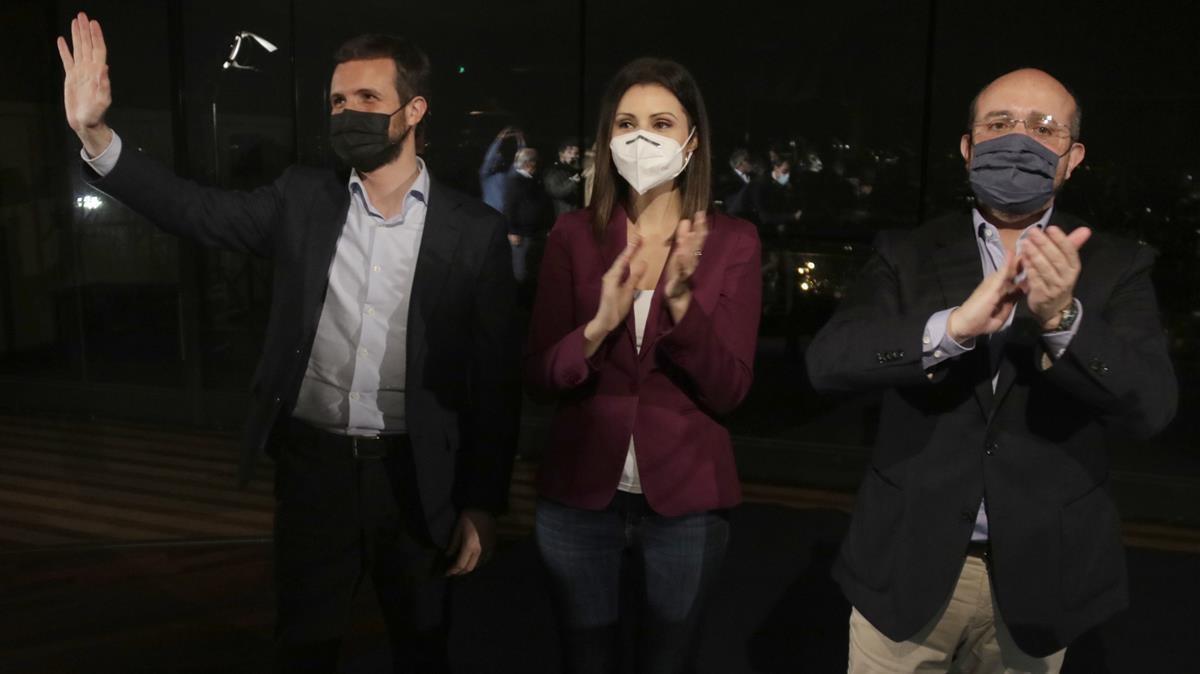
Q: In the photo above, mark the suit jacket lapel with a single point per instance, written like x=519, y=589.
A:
x=1006, y=374
x=434, y=261
x=654, y=317
x=615, y=239
x=1019, y=343
x=959, y=272
x=325, y=222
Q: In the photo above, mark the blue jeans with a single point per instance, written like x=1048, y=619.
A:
x=668, y=564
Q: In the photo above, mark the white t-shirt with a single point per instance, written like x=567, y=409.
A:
x=630, y=481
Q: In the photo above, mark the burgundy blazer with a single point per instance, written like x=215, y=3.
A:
x=670, y=396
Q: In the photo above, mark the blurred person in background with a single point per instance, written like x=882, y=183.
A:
x=495, y=170
x=527, y=210
x=562, y=179
x=731, y=187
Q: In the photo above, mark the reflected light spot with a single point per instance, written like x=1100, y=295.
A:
x=90, y=202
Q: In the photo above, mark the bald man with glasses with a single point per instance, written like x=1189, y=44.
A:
x=984, y=538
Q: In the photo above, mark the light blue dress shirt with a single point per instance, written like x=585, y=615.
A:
x=938, y=346
x=355, y=379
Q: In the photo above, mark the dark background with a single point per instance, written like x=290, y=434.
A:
x=103, y=316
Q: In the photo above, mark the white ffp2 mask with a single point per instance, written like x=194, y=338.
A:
x=646, y=160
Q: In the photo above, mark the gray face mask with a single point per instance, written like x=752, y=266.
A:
x=1013, y=173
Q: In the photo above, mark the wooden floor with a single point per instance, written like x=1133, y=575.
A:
x=78, y=483
x=67, y=482
x=207, y=608
x=128, y=549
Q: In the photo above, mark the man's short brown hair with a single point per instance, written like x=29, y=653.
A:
x=413, y=71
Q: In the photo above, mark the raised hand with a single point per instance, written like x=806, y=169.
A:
x=617, y=287
x=1051, y=263
x=87, y=92
x=685, y=257
x=988, y=307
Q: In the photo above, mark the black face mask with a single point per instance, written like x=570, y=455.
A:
x=361, y=138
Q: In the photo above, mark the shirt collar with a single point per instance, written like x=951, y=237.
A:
x=418, y=192
x=983, y=227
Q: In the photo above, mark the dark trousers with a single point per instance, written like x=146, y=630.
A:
x=337, y=519
x=520, y=251
x=527, y=260
x=669, y=562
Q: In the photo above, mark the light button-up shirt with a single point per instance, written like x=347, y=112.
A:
x=355, y=379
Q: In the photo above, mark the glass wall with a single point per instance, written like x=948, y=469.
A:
x=863, y=103
x=89, y=291
x=240, y=134
x=103, y=316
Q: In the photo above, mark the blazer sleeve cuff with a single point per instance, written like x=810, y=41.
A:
x=570, y=367
x=937, y=345
x=690, y=331
x=103, y=163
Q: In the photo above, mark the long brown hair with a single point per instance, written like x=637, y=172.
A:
x=695, y=183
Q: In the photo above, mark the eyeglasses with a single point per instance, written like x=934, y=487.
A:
x=1041, y=127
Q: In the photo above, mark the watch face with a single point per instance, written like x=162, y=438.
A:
x=1068, y=317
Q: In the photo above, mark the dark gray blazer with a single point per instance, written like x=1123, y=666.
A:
x=1036, y=447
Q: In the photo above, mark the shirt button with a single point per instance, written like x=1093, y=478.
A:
x=354, y=395
x=925, y=339
x=362, y=351
x=370, y=311
x=376, y=268
x=937, y=353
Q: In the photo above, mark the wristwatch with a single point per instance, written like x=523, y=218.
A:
x=1066, y=317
